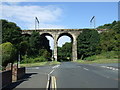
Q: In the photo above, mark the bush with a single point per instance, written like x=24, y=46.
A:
x=33, y=60
x=91, y=58
x=40, y=59
x=8, y=53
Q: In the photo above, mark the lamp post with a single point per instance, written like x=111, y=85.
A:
x=19, y=60
x=36, y=19
x=93, y=18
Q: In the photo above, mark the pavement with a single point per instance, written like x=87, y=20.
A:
x=71, y=75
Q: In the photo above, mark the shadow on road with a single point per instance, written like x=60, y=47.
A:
x=15, y=84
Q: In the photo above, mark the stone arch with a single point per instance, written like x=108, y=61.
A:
x=74, y=45
x=66, y=34
x=51, y=35
x=48, y=34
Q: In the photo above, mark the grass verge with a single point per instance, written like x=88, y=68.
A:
x=54, y=63
x=39, y=64
x=33, y=64
x=99, y=61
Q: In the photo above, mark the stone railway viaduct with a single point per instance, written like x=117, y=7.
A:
x=56, y=34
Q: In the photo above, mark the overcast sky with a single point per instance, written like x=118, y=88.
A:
x=73, y=15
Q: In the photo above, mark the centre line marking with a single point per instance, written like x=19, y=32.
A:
x=51, y=72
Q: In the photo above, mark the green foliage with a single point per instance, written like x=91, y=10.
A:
x=24, y=47
x=88, y=42
x=110, y=40
x=103, y=55
x=38, y=44
x=10, y=32
x=33, y=60
x=65, y=52
x=46, y=54
x=107, y=26
x=8, y=53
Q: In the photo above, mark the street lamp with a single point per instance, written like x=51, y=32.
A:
x=93, y=18
x=36, y=21
x=19, y=60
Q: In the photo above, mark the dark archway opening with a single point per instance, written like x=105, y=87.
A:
x=49, y=43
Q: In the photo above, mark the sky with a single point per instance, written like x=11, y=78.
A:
x=60, y=15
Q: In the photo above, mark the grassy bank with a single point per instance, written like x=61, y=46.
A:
x=39, y=64
x=99, y=61
x=106, y=57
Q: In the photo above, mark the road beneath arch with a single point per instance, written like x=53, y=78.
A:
x=72, y=75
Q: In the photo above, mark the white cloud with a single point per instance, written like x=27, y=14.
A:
x=25, y=15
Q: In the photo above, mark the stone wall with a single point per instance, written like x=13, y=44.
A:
x=6, y=77
x=9, y=76
x=20, y=73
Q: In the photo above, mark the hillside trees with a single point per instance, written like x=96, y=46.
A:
x=11, y=33
x=88, y=42
x=110, y=40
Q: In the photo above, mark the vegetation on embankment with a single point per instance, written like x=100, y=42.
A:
x=98, y=61
x=106, y=57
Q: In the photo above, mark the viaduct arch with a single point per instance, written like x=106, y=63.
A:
x=56, y=34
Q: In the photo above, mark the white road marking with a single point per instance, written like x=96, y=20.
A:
x=53, y=80
x=48, y=82
x=86, y=69
x=56, y=66
x=36, y=67
x=51, y=72
x=112, y=68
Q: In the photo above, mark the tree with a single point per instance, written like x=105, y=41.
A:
x=65, y=52
x=88, y=42
x=34, y=42
x=38, y=43
x=8, y=53
x=24, y=47
x=110, y=40
x=11, y=32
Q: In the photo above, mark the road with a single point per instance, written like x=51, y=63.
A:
x=71, y=75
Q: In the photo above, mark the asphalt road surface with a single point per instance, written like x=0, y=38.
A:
x=71, y=75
